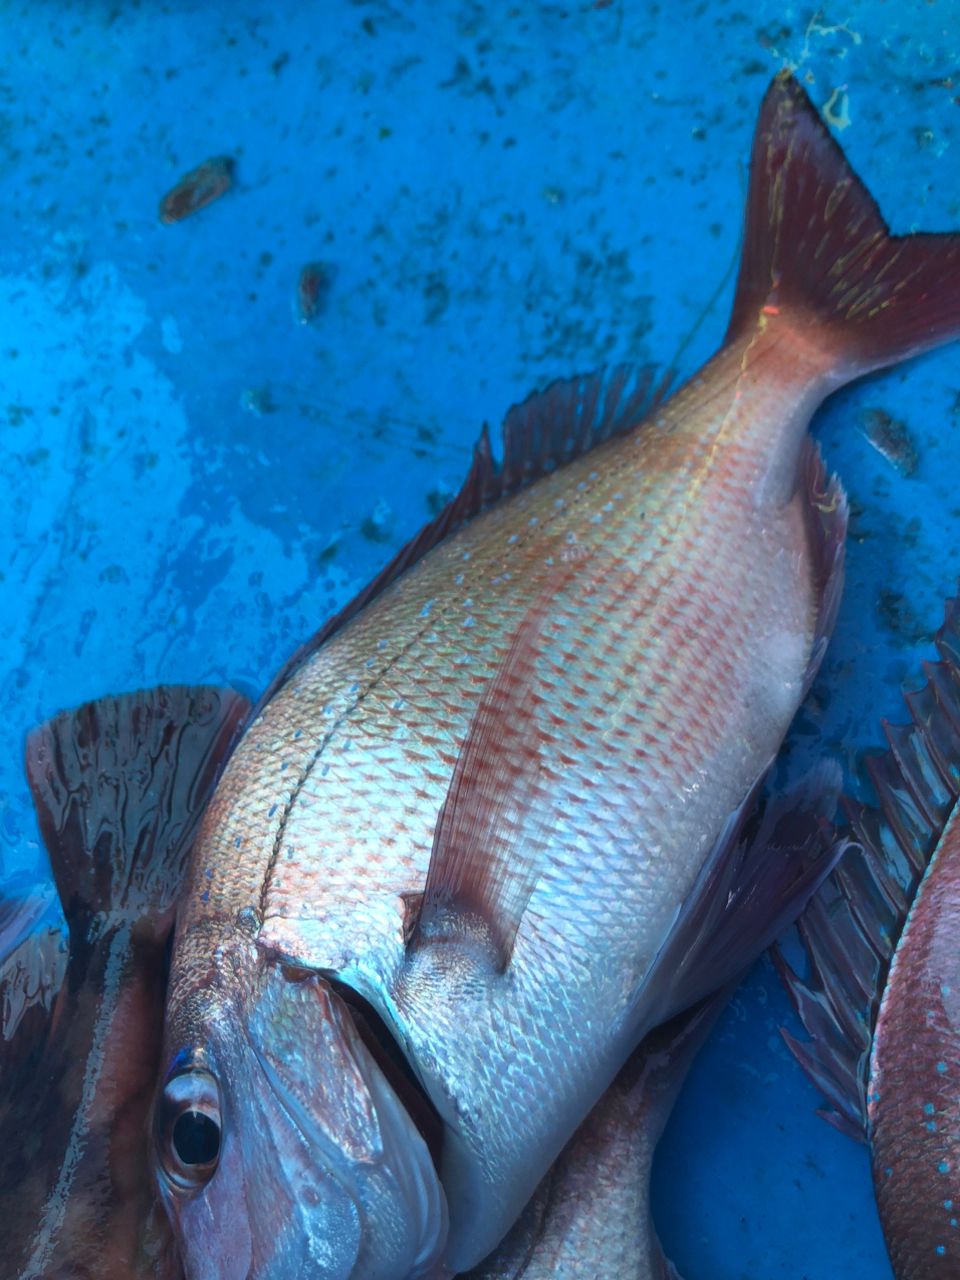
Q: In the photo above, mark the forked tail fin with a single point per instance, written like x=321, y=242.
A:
x=817, y=251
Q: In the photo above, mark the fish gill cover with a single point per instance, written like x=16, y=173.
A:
x=503, y=194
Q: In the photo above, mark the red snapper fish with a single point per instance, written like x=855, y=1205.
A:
x=119, y=785
x=463, y=859
x=882, y=1000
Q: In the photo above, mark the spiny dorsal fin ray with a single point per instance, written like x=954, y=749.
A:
x=866, y=900
x=547, y=430
x=33, y=961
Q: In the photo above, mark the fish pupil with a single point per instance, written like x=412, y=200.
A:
x=196, y=1138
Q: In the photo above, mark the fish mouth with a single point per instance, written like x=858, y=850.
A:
x=389, y=1057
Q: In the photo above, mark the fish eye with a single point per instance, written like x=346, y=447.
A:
x=189, y=1129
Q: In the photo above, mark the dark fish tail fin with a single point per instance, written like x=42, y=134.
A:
x=817, y=251
x=119, y=786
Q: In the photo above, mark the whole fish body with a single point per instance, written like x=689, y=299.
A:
x=492, y=803
x=880, y=1001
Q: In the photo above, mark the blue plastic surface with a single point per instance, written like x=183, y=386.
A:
x=501, y=194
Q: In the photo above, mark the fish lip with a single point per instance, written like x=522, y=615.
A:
x=416, y=1179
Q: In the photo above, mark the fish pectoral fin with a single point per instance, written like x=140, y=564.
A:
x=770, y=858
x=119, y=787
x=488, y=846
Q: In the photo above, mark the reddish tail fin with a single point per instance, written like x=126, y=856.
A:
x=817, y=249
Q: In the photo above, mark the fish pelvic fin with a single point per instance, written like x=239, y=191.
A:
x=119, y=787
x=772, y=855
x=818, y=254
x=850, y=929
x=488, y=846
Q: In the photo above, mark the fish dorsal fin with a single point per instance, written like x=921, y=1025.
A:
x=481, y=871
x=119, y=786
x=547, y=430
x=851, y=928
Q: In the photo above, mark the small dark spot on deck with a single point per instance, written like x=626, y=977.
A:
x=891, y=437
x=17, y=414
x=772, y=35
x=899, y=617
x=437, y=297
x=437, y=499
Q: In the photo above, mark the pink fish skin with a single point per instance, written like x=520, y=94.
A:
x=912, y=1107
x=587, y=677
x=119, y=785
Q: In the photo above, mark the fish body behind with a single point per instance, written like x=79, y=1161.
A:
x=880, y=999
x=495, y=800
x=913, y=1126
x=118, y=785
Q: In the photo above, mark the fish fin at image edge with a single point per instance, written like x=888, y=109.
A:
x=850, y=929
x=818, y=253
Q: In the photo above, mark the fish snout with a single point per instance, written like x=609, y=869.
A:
x=281, y=1149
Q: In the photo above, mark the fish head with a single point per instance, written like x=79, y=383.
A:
x=280, y=1147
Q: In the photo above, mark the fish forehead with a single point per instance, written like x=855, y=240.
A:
x=327, y=810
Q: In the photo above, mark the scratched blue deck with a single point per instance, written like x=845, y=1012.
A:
x=503, y=193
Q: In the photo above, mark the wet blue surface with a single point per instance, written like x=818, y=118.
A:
x=502, y=194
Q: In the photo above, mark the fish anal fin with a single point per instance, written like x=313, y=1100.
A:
x=819, y=256
x=769, y=860
x=488, y=846
x=545, y=431
x=119, y=786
